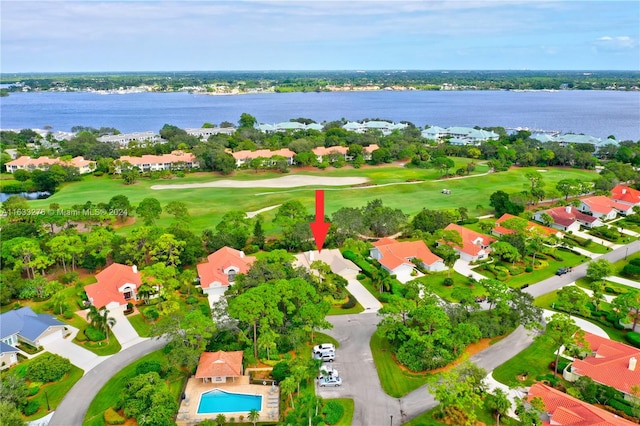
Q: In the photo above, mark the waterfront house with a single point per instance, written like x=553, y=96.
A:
x=206, y=132
x=124, y=139
x=116, y=286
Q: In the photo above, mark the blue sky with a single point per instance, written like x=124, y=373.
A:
x=62, y=36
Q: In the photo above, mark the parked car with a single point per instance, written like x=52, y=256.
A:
x=562, y=271
x=327, y=372
x=325, y=357
x=324, y=347
x=330, y=381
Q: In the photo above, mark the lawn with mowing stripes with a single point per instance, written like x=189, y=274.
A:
x=208, y=205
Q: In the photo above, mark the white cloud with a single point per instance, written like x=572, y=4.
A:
x=616, y=42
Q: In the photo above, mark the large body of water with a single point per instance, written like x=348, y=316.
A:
x=596, y=113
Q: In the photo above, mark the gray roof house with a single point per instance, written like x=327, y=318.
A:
x=8, y=355
x=25, y=325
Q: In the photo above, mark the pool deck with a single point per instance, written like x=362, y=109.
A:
x=187, y=414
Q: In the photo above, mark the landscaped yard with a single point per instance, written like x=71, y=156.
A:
x=435, y=283
x=531, y=362
x=348, y=406
x=53, y=392
x=111, y=393
x=395, y=381
x=485, y=416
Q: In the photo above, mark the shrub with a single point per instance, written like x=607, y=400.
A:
x=350, y=303
x=333, y=412
x=68, y=277
x=31, y=408
x=281, y=371
x=148, y=367
x=515, y=270
x=631, y=270
x=34, y=388
x=528, y=269
x=633, y=338
x=360, y=277
x=67, y=314
x=47, y=367
x=191, y=300
x=448, y=282
x=151, y=314
x=80, y=337
x=111, y=417
x=94, y=334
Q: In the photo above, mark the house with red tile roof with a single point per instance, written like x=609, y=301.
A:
x=220, y=269
x=610, y=363
x=395, y=257
x=331, y=153
x=116, y=285
x=177, y=160
x=500, y=229
x=565, y=410
x=43, y=163
x=604, y=208
x=625, y=194
x=568, y=218
x=475, y=246
x=217, y=367
x=244, y=157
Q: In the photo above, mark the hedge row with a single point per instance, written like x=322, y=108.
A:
x=633, y=338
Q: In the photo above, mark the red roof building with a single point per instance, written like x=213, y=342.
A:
x=396, y=257
x=43, y=163
x=604, y=208
x=244, y=157
x=610, y=363
x=568, y=218
x=475, y=246
x=565, y=410
x=217, y=366
x=501, y=230
x=625, y=194
x=221, y=268
x=116, y=285
x=150, y=163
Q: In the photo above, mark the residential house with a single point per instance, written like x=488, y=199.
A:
x=565, y=410
x=624, y=194
x=459, y=135
x=568, y=218
x=243, y=158
x=177, y=160
x=604, y=208
x=24, y=325
x=116, y=286
x=385, y=127
x=206, y=132
x=124, y=139
x=221, y=268
x=217, y=367
x=396, y=257
x=499, y=230
x=331, y=153
x=44, y=163
x=332, y=257
x=367, y=153
x=434, y=133
x=610, y=363
x=289, y=126
x=475, y=246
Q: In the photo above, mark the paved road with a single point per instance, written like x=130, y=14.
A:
x=554, y=283
x=75, y=404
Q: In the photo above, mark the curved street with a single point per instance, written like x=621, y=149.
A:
x=75, y=404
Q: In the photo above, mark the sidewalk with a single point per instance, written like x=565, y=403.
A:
x=624, y=281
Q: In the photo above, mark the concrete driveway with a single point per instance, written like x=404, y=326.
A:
x=124, y=331
x=80, y=357
x=362, y=295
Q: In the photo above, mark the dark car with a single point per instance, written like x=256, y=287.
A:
x=562, y=271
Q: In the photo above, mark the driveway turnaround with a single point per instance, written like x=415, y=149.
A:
x=75, y=404
x=79, y=356
x=124, y=331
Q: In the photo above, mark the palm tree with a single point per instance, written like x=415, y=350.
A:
x=59, y=302
x=254, y=416
x=101, y=320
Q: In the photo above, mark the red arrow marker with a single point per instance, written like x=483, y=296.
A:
x=319, y=227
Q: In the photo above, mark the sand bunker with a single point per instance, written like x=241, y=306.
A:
x=290, y=181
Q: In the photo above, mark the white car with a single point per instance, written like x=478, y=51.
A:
x=330, y=381
x=327, y=372
x=324, y=347
x=325, y=357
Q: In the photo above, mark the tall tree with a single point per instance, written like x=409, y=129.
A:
x=628, y=307
x=149, y=210
x=562, y=331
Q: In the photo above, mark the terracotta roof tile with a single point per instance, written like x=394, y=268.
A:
x=396, y=253
x=110, y=279
x=213, y=270
x=530, y=225
x=604, y=205
x=220, y=364
x=626, y=194
x=563, y=217
x=469, y=239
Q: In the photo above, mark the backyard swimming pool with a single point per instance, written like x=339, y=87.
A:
x=219, y=401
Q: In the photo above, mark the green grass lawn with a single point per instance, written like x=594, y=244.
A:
x=484, y=415
x=102, y=348
x=617, y=266
x=111, y=392
x=54, y=391
x=348, y=405
x=395, y=381
x=337, y=310
x=142, y=327
x=533, y=360
x=208, y=205
x=435, y=283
